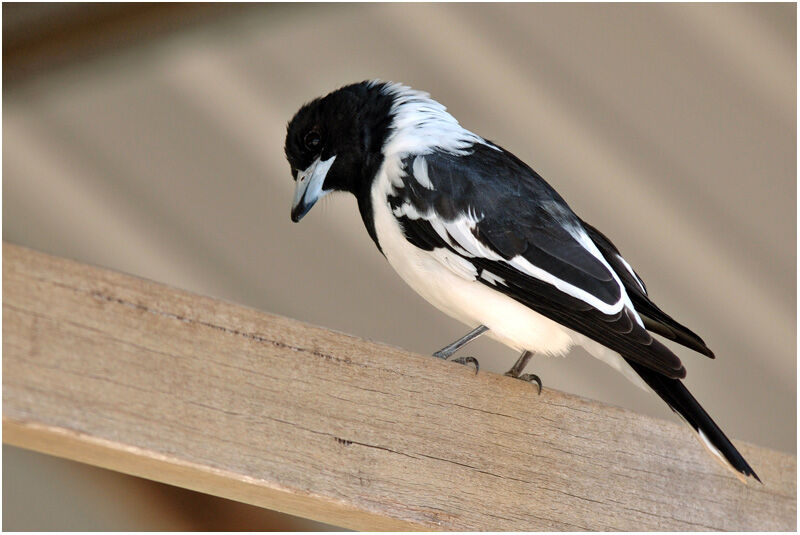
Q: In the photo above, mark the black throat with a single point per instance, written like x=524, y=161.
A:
x=375, y=118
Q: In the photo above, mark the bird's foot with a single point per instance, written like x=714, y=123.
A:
x=466, y=361
x=527, y=377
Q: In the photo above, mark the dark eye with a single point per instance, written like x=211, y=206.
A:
x=312, y=140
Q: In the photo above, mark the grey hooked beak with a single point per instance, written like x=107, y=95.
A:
x=309, y=187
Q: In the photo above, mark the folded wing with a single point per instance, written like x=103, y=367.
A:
x=497, y=214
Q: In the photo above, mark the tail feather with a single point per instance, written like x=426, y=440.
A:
x=680, y=400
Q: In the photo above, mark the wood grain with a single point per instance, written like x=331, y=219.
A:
x=134, y=376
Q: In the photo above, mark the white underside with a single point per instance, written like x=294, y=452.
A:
x=453, y=290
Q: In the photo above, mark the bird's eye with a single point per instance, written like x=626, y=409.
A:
x=312, y=140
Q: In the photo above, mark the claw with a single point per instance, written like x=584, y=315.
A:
x=532, y=378
x=467, y=360
x=528, y=378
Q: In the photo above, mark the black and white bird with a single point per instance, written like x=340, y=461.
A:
x=481, y=236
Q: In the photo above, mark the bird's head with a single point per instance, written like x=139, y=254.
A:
x=333, y=143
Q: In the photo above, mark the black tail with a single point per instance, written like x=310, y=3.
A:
x=682, y=402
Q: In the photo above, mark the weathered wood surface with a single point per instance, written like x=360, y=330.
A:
x=134, y=376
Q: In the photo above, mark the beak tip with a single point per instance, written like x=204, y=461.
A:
x=299, y=211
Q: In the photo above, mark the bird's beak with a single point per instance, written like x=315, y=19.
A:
x=309, y=187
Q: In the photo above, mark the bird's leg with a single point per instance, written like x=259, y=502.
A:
x=516, y=370
x=447, y=351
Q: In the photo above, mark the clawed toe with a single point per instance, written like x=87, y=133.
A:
x=528, y=378
x=466, y=361
x=532, y=378
x=516, y=371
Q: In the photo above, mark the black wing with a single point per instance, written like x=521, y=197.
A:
x=524, y=240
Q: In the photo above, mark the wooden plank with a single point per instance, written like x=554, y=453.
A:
x=134, y=376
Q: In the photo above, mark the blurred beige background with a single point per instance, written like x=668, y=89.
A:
x=149, y=139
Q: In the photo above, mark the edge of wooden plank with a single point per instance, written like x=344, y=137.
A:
x=148, y=464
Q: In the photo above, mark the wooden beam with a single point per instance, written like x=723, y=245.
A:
x=134, y=376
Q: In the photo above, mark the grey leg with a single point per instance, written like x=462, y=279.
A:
x=447, y=351
x=516, y=370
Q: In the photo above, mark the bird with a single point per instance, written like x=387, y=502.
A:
x=485, y=239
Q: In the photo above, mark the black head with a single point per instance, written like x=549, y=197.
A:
x=334, y=143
